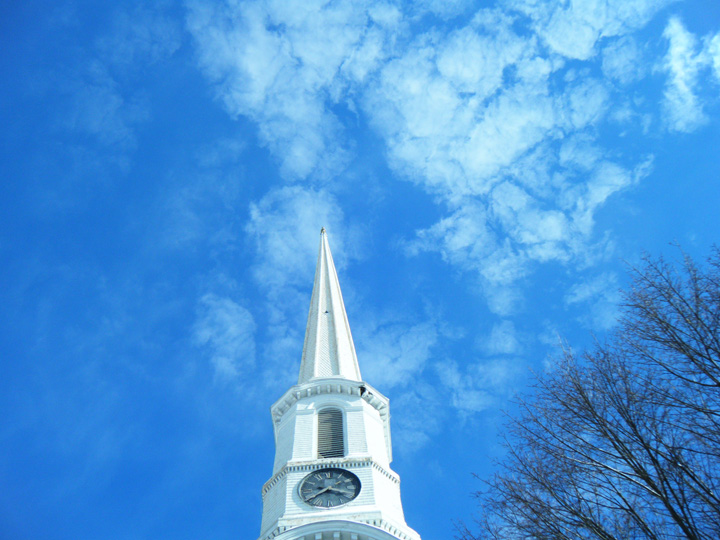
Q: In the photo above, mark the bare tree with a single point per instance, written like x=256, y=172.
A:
x=622, y=442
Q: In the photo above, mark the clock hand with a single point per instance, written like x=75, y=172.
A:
x=321, y=492
x=326, y=489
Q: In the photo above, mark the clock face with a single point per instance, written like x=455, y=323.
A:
x=328, y=488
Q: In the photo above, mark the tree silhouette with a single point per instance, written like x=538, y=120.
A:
x=623, y=441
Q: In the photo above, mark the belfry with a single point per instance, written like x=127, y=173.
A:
x=331, y=478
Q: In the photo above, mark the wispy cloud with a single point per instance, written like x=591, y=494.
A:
x=470, y=132
x=573, y=29
x=101, y=105
x=480, y=385
x=444, y=124
x=285, y=226
x=683, y=109
x=713, y=52
x=601, y=296
x=199, y=205
x=503, y=339
x=418, y=415
x=622, y=60
x=395, y=354
x=461, y=113
x=140, y=36
x=93, y=95
x=684, y=62
x=98, y=108
x=285, y=65
x=227, y=331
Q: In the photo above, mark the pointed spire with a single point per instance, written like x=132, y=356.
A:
x=329, y=350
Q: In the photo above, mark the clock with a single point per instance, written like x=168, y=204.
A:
x=328, y=488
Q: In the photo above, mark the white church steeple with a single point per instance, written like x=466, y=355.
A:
x=329, y=350
x=331, y=478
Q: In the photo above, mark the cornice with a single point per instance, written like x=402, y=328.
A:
x=370, y=529
x=330, y=386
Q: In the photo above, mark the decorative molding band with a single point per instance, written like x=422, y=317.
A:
x=346, y=463
x=340, y=534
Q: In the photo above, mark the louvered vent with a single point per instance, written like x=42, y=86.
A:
x=330, y=434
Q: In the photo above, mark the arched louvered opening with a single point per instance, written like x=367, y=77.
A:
x=331, y=441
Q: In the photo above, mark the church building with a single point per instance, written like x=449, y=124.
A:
x=331, y=479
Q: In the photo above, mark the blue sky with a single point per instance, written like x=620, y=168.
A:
x=485, y=170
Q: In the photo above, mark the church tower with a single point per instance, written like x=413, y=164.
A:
x=332, y=479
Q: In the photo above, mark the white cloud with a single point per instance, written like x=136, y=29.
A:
x=226, y=329
x=683, y=108
x=601, y=297
x=502, y=339
x=586, y=102
x=713, y=51
x=420, y=409
x=417, y=416
x=573, y=28
x=622, y=60
x=285, y=226
x=607, y=179
x=445, y=123
x=477, y=117
x=284, y=63
x=465, y=239
x=579, y=152
x=500, y=236
x=441, y=8
x=686, y=63
x=478, y=386
x=542, y=232
x=473, y=58
x=395, y=354
x=498, y=118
